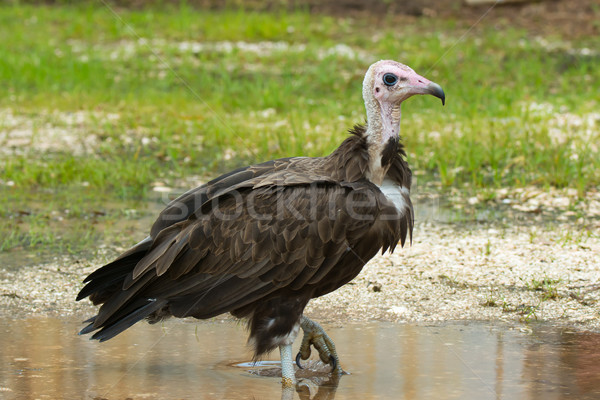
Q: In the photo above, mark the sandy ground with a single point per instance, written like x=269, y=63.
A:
x=523, y=267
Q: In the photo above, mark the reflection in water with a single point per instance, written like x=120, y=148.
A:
x=44, y=358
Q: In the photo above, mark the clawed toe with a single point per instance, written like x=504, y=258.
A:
x=333, y=363
x=315, y=336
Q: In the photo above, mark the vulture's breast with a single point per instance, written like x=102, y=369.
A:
x=397, y=194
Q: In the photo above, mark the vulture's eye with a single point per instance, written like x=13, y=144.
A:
x=390, y=79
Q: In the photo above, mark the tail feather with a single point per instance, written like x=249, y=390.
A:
x=109, y=285
x=89, y=328
x=135, y=254
x=122, y=300
x=105, y=286
x=106, y=280
x=124, y=322
x=122, y=265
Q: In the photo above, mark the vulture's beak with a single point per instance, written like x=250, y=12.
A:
x=437, y=91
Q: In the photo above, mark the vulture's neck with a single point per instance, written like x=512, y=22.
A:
x=382, y=136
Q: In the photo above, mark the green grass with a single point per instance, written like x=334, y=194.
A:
x=166, y=93
x=77, y=222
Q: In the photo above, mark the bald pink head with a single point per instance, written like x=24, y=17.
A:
x=392, y=82
x=387, y=84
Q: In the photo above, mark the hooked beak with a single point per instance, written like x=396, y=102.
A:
x=436, y=90
x=420, y=85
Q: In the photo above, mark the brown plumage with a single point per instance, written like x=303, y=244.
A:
x=200, y=263
x=260, y=242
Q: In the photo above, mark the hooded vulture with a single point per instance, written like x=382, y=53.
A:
x=261, y=241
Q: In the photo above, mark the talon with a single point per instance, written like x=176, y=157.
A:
x=298, y=357
x=314, y=335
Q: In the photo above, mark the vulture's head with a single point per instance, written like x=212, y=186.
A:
x=389, y=82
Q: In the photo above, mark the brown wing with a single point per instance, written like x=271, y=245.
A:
x=284, y=171
x=243, y=245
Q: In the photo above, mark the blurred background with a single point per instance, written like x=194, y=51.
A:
x=109, y=108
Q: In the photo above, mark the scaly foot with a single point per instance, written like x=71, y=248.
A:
x=315, y=335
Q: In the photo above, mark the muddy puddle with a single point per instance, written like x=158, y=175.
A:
x=45, y=359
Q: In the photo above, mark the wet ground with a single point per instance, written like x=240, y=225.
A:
x=44, y=358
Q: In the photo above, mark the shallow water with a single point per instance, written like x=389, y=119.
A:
x=45, y=359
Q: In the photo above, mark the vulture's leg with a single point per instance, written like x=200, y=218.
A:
x=288, y=375
x=316, y=336
x=288, y=393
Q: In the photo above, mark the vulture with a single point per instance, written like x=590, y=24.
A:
x=261, y=241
